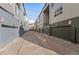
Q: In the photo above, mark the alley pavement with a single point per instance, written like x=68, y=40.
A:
x=34, y=43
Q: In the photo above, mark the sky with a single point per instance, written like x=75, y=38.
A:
x=33, y=10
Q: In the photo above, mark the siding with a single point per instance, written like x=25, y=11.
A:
x=70, y=10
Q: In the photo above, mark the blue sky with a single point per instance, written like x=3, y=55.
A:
x=33, y=10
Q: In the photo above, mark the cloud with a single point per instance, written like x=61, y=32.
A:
x=31, y=21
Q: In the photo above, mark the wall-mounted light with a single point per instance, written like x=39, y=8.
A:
x=69, y=22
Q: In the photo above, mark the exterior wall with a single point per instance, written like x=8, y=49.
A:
x=46, y=14
x=7, y=34
x=38, y=24
x=45, y=18
x=8, y=7
x=21, y=18
x=35, y=27
x=22, y=13
x=17, y=14
x=9, y=22
x=51, y=14
x=70, y=10
x=25, y=23
x=63, y=18
x=41, y=21
x=0, y=30
x=67, y=21
x=5, y=14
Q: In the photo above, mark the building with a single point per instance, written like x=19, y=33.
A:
x=61, y=20
x=38, y=24
x=21, y=15
x=11, y=17
x=41, y=20
x=34, y=26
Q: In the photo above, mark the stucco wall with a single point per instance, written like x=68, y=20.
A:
x=51, y=14
x=45, y=18
x=70, y=10
x=41, y=21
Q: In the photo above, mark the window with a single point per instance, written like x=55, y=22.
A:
x=61, y=8
x=58, y=9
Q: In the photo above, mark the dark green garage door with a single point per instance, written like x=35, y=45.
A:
x=65, y=32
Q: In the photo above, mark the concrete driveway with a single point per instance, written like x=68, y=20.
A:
x=22, y=46
x=34, y=43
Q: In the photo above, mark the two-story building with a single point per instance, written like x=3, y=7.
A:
x=61, y=20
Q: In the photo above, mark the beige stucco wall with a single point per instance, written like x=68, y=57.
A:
x=46, y=15
x=34, y=26
x=51, y=14
x=70, y=10
x=41, y=20
x=45, y=18
x=38, y=23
